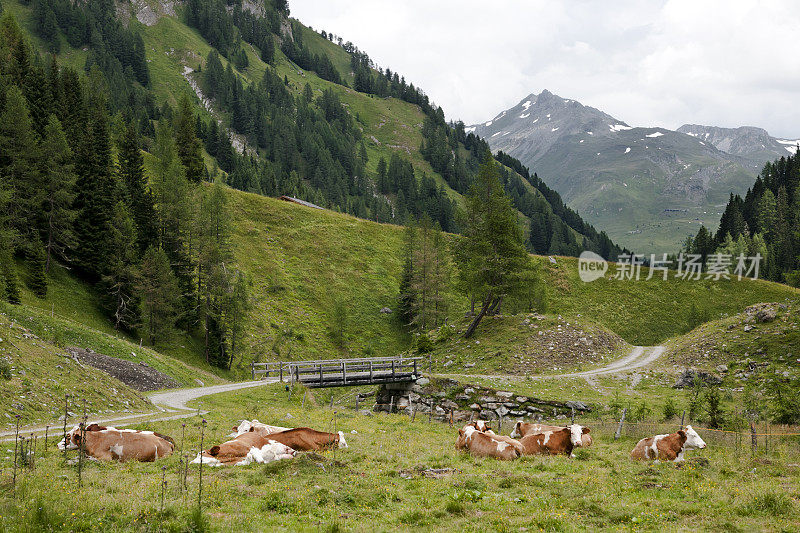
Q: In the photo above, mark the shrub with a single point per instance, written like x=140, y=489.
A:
x=424, y=343
x=714, y=412
x=641, y=412
x=5, y=370
x=670, y=409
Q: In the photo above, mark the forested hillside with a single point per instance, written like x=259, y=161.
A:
x=766, y=222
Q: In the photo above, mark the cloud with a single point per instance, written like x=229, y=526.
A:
x=649, y=63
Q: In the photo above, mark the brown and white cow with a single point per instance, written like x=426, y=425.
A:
x=523, y=429
x=482, y=444
x=264, y=429
x=668, y=447
x=307, y=439
x=109, y=443
x=250, y=447
x=554, y=442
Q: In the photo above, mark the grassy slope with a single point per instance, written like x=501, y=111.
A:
x=648, y=312
x=525, y=344
x=734, y=339
x=363, y=488
x=42, y=375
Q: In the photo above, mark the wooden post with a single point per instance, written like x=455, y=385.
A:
x=370, y=371
x=280, y=366
x=753, y=439
x=766, y=437
x=430, y=411
x=683, y=416
x=344, y=373
x=391, y=404
x=621, y=421
x=392, y=369
x=320, y=374
x=46, y=429
x=253, y=370
x=415, y=368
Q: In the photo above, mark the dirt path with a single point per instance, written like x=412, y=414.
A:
x=639, y=357
x=171, y=403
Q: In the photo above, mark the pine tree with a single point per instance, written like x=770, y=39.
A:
x=190, y=149
x=160, y=294
x=8, y=276
x=59, y=186
x=19, y=165
x=407, y=296
x=121, y=280
x=37, y=263
x=95, y=185
x=138, y=196
x=491, y=256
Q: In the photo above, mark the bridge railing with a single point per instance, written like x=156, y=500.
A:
x=340, y=371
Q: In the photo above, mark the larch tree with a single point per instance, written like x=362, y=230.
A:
x=120, y=282
x=190, y=150
x=137, y=194
x=160, y=294
x=491, y=256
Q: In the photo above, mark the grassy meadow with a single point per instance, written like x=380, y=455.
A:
x=378, y=483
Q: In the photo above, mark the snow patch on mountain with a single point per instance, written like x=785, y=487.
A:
x=656, y=134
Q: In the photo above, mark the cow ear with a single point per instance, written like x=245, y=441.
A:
x=682, y=433
x=214, y=451
x=252, y=429
x=585, y=430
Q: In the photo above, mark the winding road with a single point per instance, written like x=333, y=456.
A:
x=639, y=357
x=172, y=404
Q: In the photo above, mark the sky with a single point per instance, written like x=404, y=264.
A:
x=648, y=62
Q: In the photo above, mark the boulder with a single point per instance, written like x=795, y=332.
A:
x=722, y=368
x=505, y=395
x=501, y=411
x=385, y=311
x=521, y=399
x=578, y=406
x=688, y=376
x=483, y=399
x=423, y=381
x=469, y=390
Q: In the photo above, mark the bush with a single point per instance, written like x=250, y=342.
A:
x=713, y=405
x=641, y=412
x=5, y=370
x=670, y=409
x=424, y=343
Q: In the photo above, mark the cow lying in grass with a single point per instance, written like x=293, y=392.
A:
x=668, y=447
x=263, y=429
x=109, y=443
x=260, y=446
x=246, y=448
x=554, y=442
x=523, y=429
x=482, y=444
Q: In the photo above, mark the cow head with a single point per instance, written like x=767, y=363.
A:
x=71, y=440
x=693, y=440
x=575, y=433
x=517, y=432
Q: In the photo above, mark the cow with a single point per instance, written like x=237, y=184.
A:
x=250, y=447
x=108, y=443
x=307, y=439
x=482, y=444
x=668, y=447
x=264, y=429
x=522, y=429
x=553, y=442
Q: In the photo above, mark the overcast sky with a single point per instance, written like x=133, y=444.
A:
x=648, y=63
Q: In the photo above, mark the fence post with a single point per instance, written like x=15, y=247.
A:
x=766, y=437
x=253, y=370
x=415, y=368
x=392, y=369
x=370, y=371
x=391, y=404
x=683, y=416
x=344, y=372
x=753, y=439
x=573, y=416
x=280, y=366
x=621, y=421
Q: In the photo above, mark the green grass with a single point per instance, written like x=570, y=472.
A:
x=524, y=344
x=41, y=374
x=647, y=312
x=376, y=484
x=48, y=374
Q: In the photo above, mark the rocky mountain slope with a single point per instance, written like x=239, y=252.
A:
x=646, y=187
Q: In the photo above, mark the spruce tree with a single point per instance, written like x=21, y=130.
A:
x=189, y=147
x=95, y=185
x=59, y=187
x=491, y=255
x=121, y=279
x=138, y=196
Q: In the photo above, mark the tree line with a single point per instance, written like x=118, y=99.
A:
x=766, y=222
x=75, y=192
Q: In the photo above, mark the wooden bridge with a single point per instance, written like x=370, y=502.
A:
x=341, y=372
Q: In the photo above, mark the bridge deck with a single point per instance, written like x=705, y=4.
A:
x=341, y=372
